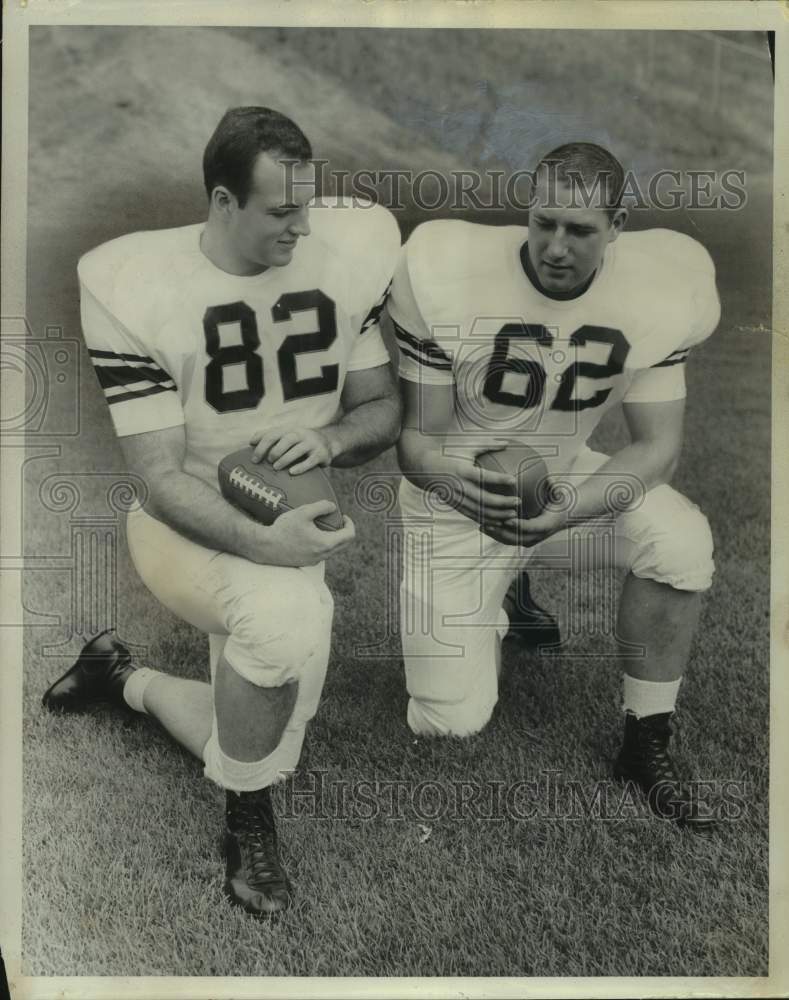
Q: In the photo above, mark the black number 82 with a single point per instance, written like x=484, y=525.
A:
x=246, y=352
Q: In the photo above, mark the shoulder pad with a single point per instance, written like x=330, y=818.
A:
x=447, y=256
x=140, y=258
x=356, y=227
x=672, y=277
x=676, y=251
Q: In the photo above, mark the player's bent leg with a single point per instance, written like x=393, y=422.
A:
x=269, y=675
x=669, y=555
x=668, y=616
x=671, y=541
x=450, y=697
x=179, y=574
x=671, y=565
x=183, y=707
x=236, y=601
x=255, y=715
x=665, y=545
x=104, y=673
x=266, y=620
x=451, y=621
x=258, y=648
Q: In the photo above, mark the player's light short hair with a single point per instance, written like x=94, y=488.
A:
x=588, y=168
x=241, y=135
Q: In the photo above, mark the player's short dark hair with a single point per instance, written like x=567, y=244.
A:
x=241, y=135
x=592, y=166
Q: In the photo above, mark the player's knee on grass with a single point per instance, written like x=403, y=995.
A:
x=453, y=696
x=276, y=631
x=450, y=666
x=464, y=718
x=673, y=541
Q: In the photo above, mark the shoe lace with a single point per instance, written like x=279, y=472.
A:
x=264, y=866
x=257, y=830
x=654, y=748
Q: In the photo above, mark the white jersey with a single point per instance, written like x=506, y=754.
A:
x=534, y=369
x=176, y=340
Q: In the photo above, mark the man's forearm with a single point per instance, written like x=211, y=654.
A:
x=418, y=456
x=364, y=432
x=624, y=480
x=192, y=508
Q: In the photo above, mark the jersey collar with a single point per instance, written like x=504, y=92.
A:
x=595, y=282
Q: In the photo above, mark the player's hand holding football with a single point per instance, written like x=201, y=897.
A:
x=296, y=449
x=480, y=494
x=526, y=531
x=295, y=540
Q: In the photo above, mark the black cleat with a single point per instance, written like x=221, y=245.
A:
x=645, y=760
x=530, y=625
x=101, y=670
x=255, y=879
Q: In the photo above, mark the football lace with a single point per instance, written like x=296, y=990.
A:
x=254, y=487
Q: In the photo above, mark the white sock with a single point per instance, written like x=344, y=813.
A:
x=649, y=697
x=134, y=688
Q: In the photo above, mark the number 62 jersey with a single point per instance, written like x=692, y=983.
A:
x=537, y=370
x=175, y=340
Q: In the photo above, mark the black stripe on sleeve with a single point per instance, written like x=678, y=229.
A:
x=677, y=358
x=112, y=356
x=110, y=376
x=375, y=313
x=426, y=352
x=139, y=393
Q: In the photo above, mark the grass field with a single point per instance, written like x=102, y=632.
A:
x=122, y=867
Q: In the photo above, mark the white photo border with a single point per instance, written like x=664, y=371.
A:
x=767, y=15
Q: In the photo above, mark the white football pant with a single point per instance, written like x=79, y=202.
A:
x=455, y=579
x=272, y=623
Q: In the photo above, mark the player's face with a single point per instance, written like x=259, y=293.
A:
x=567, y=240
x=266, y=230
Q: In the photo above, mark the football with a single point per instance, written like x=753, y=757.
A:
x=531, y=471
x=265, y=493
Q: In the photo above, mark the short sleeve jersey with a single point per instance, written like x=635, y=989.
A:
x=176, y=340
x=526, y=367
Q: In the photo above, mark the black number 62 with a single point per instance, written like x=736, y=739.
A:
x=502, y=362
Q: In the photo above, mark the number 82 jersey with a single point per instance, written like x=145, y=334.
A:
x=177, y=341
x=532, y=369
